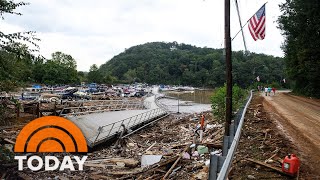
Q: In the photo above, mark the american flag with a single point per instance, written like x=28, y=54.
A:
x=257, y=24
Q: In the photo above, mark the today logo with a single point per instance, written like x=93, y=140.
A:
x=47, y=135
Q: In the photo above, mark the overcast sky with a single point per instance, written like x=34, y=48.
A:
x=95, y=31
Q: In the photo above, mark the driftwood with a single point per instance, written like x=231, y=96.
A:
x=214, y=145
x=279, y=170
x=151, y=146
x=9, y=141
x=96, y=176
x=128, y=162
x=103, y=162
x=95, y=165
x=176, y=162
x=275, y=153
x=122, y=172
x=179, y=145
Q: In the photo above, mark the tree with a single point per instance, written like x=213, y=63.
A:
x=60, y=69
x=82, y=76
x=8, y=41
x=15, y=56
x=300, y=25
x=68, y=66
x=159, y=63
x=94, y=74
x=64, y=60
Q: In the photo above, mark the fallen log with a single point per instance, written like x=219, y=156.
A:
x=95, y=165
x=279, y=170
x=213, y=145
x=102, y=163
x=122, y=172
x=128, y=162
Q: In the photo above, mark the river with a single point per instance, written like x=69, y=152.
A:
x=189, y=102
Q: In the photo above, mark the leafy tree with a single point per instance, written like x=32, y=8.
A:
x=94, y=75
x=173, y=63
x=300, y=25
x=8, y=41
x=15, y=57
x=218, y=100
x=82, y=76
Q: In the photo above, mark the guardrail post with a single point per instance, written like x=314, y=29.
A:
x=213, y=167
x=221, y=160
x=225, y=147
x=216, y=163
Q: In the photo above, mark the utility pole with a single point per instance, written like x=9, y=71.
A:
x=227, y=40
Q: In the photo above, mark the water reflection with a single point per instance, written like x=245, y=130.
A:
x=197, y=96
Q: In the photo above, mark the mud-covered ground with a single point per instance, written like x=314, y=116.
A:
x=264, y=140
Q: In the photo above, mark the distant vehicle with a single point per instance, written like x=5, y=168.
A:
x=68, y=93
x=49, y=97
x=29, y=96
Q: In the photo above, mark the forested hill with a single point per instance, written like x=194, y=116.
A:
x=173, y=63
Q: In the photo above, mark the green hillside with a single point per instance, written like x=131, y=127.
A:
x=173, y=63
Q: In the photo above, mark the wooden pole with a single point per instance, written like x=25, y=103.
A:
x=228, y=67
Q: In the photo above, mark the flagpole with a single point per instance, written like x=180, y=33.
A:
x=246, y=24
x=243, y=38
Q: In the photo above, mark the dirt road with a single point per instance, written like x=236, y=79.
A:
x=299, y=118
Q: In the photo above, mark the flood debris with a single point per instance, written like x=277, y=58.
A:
x=262, y=147
x=169, y=149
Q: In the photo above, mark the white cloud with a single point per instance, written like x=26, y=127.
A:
x=95, y=31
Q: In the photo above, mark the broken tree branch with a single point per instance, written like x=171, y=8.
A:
x=279, y=170
x=176, y=162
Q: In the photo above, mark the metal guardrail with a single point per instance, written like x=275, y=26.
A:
x=161, y=105
x=103, y=106
x=219, y=165
x=108, y=131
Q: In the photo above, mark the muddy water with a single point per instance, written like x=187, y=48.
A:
x=197, y=96
x=189, y=102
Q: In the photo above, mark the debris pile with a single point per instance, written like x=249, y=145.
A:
x=171, y=148
x=262, y=147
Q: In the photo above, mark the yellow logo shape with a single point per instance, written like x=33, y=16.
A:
x=50, y=134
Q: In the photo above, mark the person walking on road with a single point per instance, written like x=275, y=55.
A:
x=269, y=90
x=274, y=90
x=266, y=90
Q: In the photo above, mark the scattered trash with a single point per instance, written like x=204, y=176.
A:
x=131, y=144
x=202, y=149
x=207, y=163
x=168, y=148
x=194, y=119
x=192, y=145
x=195, y=154
x=121, y=164
x=251, y=177
x=186, y=155
x=147, y=160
